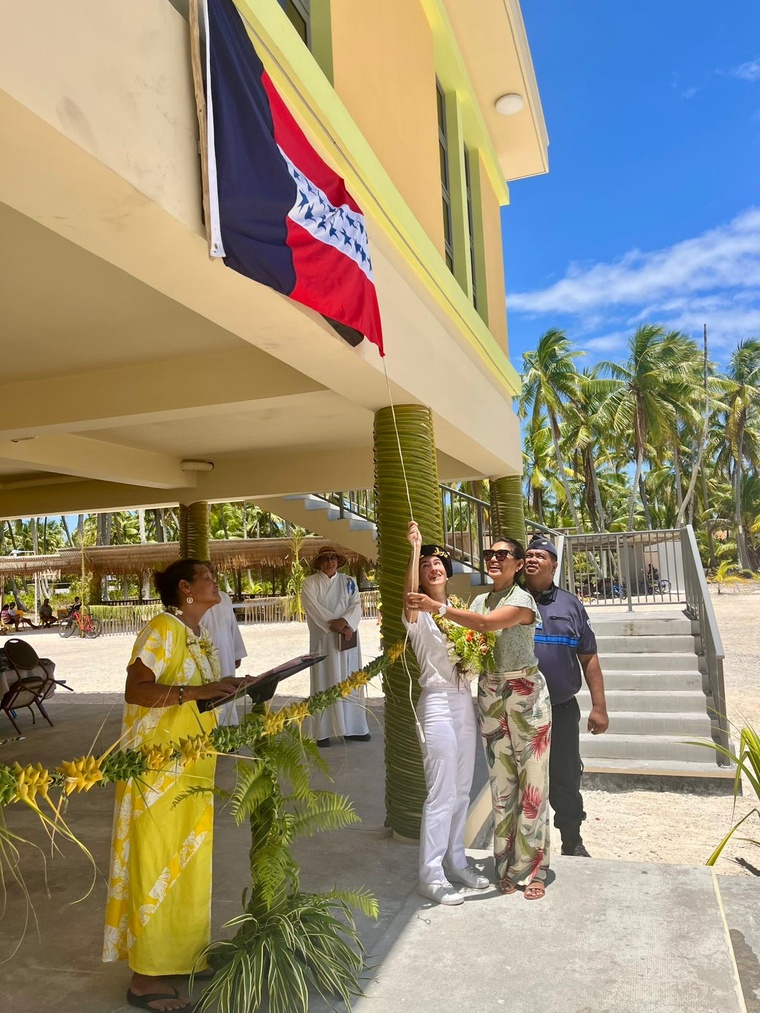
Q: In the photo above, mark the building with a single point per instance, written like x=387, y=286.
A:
x=130, y=360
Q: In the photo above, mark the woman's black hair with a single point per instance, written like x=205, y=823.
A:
x=167, y=581
x=518, y=551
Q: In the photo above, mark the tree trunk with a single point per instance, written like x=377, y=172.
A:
x=141, y=527
x=741, y=539
x=66, y=531
x=645, y=503
x=563, y=473
x=635, y=490
x=706, y=504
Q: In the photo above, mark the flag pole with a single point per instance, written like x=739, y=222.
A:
x=200, y=106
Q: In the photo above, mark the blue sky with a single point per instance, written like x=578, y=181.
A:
x=650, y=211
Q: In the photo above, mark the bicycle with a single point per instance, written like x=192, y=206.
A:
x=87, y=625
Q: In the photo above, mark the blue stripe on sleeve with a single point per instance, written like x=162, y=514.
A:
x=568, y=641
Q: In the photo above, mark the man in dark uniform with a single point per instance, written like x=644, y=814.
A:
x=565, y=644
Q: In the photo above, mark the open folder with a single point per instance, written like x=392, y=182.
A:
x=263, y=688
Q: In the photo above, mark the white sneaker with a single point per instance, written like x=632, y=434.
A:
x=441, y=893
x=468, y=877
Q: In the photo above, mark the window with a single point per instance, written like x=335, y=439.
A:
x=471, y=227
x=443, y=151
x=299, y=15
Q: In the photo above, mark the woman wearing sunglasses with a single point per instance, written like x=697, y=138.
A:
x=515, y=719
x=447, y=731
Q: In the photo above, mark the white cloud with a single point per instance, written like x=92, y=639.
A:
x=749, y=71
x=713, y=278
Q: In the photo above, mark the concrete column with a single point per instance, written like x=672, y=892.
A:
x=405, y=789
x=193, y=530
x=507, y=511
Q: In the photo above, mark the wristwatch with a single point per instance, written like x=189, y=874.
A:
x=442, y=610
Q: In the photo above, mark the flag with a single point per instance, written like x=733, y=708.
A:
x=278, y=213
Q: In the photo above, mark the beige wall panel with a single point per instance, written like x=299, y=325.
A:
x=66, y=62
x=384, y=72
x=497, y=313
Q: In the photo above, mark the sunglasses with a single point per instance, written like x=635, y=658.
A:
x=329, y=558
x=499, y=554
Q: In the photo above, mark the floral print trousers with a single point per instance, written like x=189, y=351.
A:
x=515, y=717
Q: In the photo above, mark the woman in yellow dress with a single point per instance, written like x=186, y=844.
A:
x=158, y=915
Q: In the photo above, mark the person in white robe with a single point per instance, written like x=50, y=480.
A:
x=222, y=625
x=333, y=609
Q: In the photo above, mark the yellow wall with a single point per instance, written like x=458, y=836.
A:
x=384, y=73
x=497, y=311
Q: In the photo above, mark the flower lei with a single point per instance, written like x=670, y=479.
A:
x=471, y=652
x=201, y=649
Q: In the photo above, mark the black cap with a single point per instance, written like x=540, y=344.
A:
x=543, y=543
x=443, y=555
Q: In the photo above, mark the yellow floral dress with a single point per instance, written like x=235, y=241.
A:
x=158, y=914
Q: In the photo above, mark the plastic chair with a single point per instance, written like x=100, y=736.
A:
x=27, y=692
x=32, y=671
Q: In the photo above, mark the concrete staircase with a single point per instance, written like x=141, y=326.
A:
x=658, y=705
x=316, y=514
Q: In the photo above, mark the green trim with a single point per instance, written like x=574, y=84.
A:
x=459, y=226
x=312, y=98
x=321, y=36
x=478, y=238
x=454, y=77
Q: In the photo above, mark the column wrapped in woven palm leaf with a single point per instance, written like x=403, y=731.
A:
x=193, y=530
x=404, y=779
x=507, y=511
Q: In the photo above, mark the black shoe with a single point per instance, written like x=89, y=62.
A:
x=323, y=743
x=358, y=738
x=577, y=850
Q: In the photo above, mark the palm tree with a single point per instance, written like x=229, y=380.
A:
x=743, y=397
x=657, y=380
x=550, y=383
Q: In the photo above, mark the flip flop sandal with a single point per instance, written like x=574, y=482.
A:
x=535, y=890
x=142, y=1001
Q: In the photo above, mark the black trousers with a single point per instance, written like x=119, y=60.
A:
x=565, y=769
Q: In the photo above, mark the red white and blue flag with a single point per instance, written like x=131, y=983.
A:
x=278, y=213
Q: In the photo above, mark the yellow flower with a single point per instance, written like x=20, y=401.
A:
x=158, y=757
x=194, y=748
x=274, y=722
x=81, y=774
x=31, y=780
x=346, y=689
x=395, y=652
x=297, y=713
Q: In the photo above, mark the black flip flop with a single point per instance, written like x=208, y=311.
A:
x=142, y=1001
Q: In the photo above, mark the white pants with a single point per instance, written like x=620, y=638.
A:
x=448, y=755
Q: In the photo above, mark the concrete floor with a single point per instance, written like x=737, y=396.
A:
x=610, y=937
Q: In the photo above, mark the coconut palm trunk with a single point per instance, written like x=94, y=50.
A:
x=405, y=789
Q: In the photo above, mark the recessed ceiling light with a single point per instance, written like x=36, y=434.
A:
x=510, y=104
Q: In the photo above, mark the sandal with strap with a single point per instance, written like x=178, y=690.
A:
x=535, y=890
x=506, y=886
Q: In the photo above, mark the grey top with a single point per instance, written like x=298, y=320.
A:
x=514, y=646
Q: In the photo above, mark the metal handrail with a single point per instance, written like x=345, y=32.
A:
x=700, y=607
x=466, y=520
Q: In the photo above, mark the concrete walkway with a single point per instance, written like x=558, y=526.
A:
x=610, y=937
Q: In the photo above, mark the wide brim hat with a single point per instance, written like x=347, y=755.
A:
x=328, y=550
x=443, y=554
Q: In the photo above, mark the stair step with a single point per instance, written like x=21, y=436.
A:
x=631, y=662
x=683, y=700
x=662, y=768
x=644, y=747
x=619, y=627
x=653, y=681
x=678, y=723
x=663, y=644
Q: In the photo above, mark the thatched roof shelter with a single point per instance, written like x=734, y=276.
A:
x=131, y=560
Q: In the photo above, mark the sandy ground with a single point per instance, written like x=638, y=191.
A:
x=636, y=826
